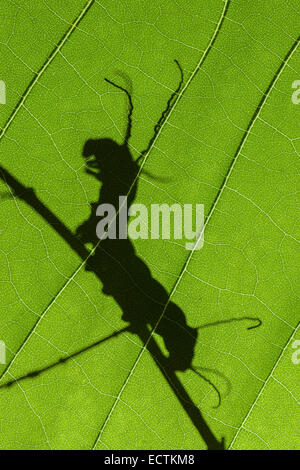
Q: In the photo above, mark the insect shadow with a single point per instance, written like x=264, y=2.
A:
x=144, y=302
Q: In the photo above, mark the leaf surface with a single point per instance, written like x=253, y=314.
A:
x=230, y=142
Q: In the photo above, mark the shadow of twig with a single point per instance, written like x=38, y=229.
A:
x=62, y=360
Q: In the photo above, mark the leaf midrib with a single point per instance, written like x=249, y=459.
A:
x=239, y=149
x=203, y=57
x=253, y=120
x=10, y=120
x=263, y=387
x=43, y=68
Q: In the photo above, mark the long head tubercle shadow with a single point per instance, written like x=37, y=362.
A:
x=165, y=114
x=159, y=124
x=231, y=320
x=130, y=110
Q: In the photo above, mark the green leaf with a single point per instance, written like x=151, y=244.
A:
x=230, y=141
x=272, y=421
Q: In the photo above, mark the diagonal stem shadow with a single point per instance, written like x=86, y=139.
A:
x=164, y=364
x=62, y=360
